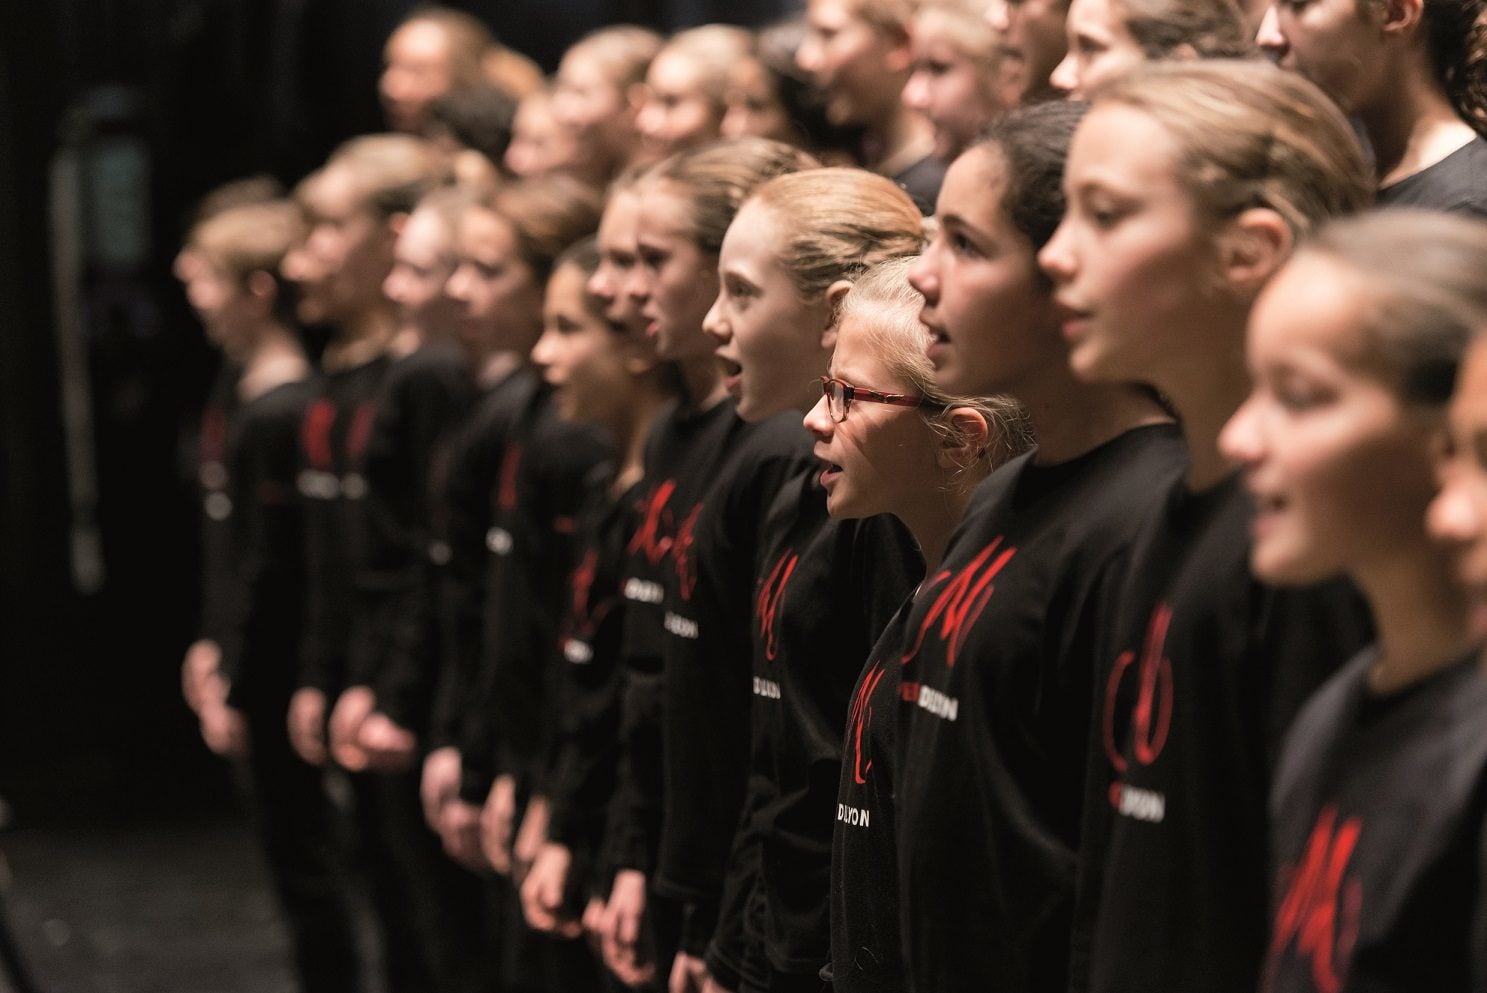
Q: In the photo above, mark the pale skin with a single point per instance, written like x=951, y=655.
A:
x=1458, y=515
x=1341, y=470
x=1137, y=271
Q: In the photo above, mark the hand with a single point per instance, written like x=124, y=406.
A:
x=307, y=725
x=201, y=661
x=440, y=783
x=459, y=831
x=622, y=927
x=495, y=824
x=688, y=974
x=542, y=892
x=531, y=836
x=351, y=710
x=711, y=985
x=388, y=746
x=224, y=728
x=593, y=922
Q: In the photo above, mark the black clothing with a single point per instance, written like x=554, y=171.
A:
x=865, y=934
x=823, y=592
x=581, y=782
x=1457, y=184
x=533, y=517
x=707, y=686
x=1204, y=674
x=680, y=451
x=922, y=182
x=463, y=520
x=217, y=596
x=998, y=682
x=333, y=443
x=1378, y=817
x=426, y=393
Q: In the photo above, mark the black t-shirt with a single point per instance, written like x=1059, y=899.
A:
x=1205, y=670
x=707, y=686
x=1457, y=184
x=333, y=444
x=258, y=504
x=212, y=478
x=998, y=685
x=470, y=471
x=426, y=394
x=581, y=783
x=531, y=542
x=922, y=181
x=824, y=591
x=865, y=935
x=681, y=450
x=1378, y=818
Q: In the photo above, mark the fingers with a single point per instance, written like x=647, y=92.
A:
x=388, y=746
x=307, y=725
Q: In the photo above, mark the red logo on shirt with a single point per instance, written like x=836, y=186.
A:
x=361, y=430
x=1321, y=907
x=860, y=717
x=1151, y=719
x=315, y=433
x=650, y=538
x=681, y=554
x=771, y=595
x=506, y=494
x=213, y=435
x=585, y=616
x=960, y=603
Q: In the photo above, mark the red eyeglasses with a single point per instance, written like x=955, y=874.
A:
x=839, y=397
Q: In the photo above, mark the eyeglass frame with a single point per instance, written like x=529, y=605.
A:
x=851, y=393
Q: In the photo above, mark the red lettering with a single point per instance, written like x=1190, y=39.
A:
x=861, y=716
x=1313, y=913
x=315, y=433
x=681, y=554
x=506, y=493
x=650, y=538
x=771, y=595
x=1151, y=718
x=960, y=603
x=361, y=431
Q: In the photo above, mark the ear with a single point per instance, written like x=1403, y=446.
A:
x=835, y=294
x=264, y=290
x=395, y=224
x=899, y=55
x=1184, y=53
x=968, y=437
x=1256, y=244
x=1402, y=17
x=634, y=98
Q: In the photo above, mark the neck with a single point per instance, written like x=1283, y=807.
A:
x=1414, y=128
x=932, y=522
x=361, y=338
x=630, y=430
x=898, y=140
x=497, y=366
x=1071, y=417
x=1205, y=396
x=1420, y=614
x=274, y=358
x=702, y=382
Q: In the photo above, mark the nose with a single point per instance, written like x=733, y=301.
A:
x=924, y=276
x=916, y=91
x=1057, y=258
x=1269, y=39
x=544, y=351
x=601, y=285
x=1454, y=517
x=998, y=15
x=808, y=55
x=818, y=421
x=715, y=325
x=1241, y=441
x=1065, y=76
x=458, y=286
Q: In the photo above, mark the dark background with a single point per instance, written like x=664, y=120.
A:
x=155, y=102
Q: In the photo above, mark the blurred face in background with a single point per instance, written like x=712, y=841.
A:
x=677, y=112
x=347, y=252
x=498, y=295
x=422, y=262
x=754, y=107
x=416, y=70
x=858, y=66
x=540, y=142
